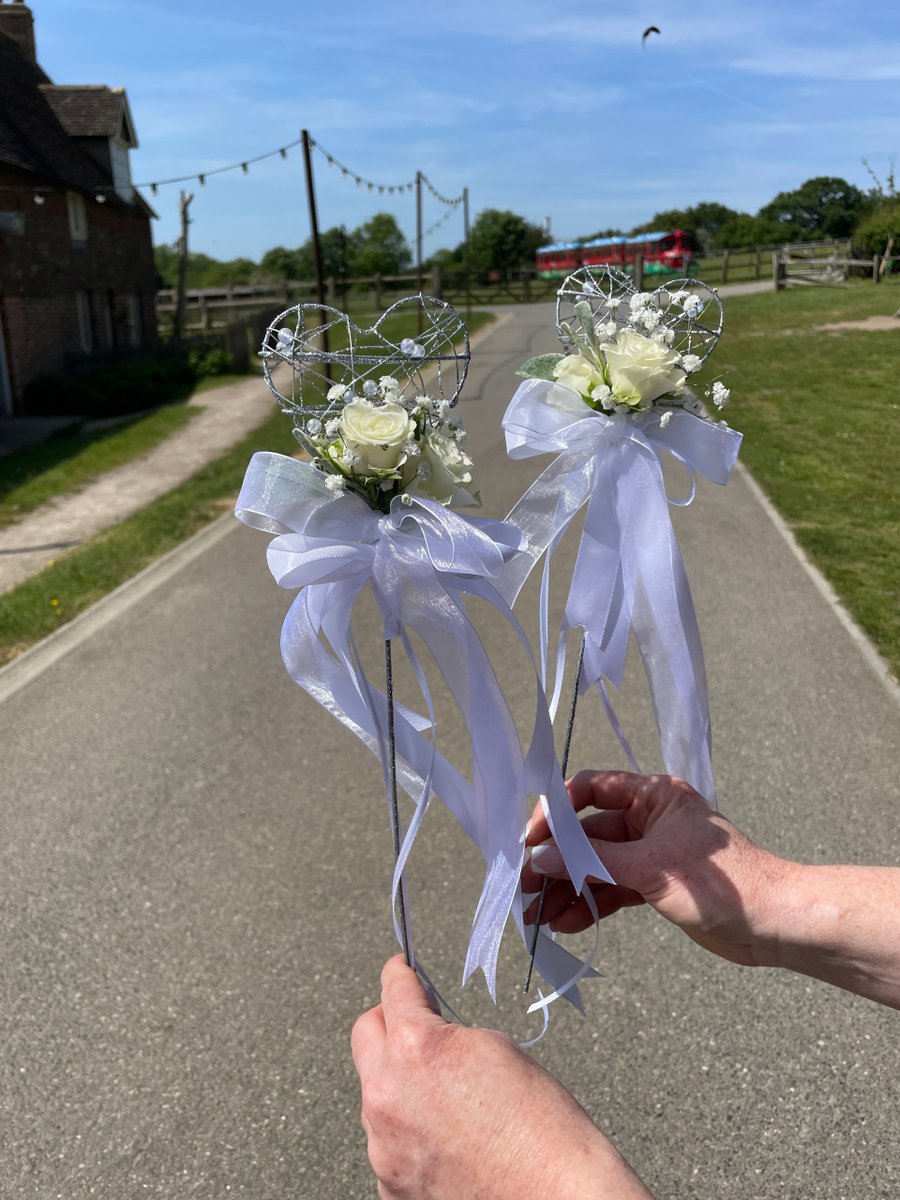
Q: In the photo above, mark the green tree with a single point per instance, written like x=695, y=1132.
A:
x=500, y=240
x=166, y=259
x=705, y=220
x=378, y=247
x=336, y=247
x=824, y=207
x=279, y=263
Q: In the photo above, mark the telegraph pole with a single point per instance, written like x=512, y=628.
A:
x=466, y=258
x=418, y=231
x=184, y=203
x=314, y=232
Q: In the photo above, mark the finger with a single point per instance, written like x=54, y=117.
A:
x=636, y=796
x=595, y=789
x=557, y=900
x=367, y=1039
x=539, y=827
x=607, y=899
x=546, y=859
x=403, y=997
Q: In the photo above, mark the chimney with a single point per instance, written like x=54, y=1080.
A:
x=17, y=23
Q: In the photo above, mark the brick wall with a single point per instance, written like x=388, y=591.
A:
x=42, y=270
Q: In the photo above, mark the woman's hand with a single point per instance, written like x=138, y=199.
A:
x=463, y=1114
x=664, y=846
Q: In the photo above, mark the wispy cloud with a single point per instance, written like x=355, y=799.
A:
x=870, y=63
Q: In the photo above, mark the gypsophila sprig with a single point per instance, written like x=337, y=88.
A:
x=386, y=444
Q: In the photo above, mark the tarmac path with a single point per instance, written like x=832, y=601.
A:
x=194, y=865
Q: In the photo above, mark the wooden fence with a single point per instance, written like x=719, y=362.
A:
x=210, y=311
x=805, y=269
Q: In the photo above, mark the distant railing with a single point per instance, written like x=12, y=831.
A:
x=210, y=309
x=788, y=269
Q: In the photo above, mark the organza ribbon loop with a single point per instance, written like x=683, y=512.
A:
x=421, y=561
x=628, y=575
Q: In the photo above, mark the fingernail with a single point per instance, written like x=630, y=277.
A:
x=547, y=860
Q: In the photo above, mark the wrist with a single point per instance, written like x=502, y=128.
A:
x=774, y=916
x=597, y=1171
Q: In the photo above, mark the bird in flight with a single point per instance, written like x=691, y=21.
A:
x=650, y=29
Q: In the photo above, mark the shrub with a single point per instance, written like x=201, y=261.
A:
x=209, y=360
x=872, y=234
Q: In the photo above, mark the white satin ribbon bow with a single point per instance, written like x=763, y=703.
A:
x=421, y=560
x=629, y=574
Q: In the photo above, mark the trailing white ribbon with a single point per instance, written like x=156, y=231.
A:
x=628, y=574
x=421, y=560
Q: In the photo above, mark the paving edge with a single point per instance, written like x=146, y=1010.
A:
x=38, y=659
x=824, y=588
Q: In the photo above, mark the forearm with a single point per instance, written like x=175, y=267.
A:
x=841, y=925
x=598, y=1172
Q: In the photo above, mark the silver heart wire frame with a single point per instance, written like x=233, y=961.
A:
x=297, y=337
x=695, y=333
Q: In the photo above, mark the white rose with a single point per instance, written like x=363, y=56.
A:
x=447, y=474
x=376, y=434
x=641, y=369
x=577, y=374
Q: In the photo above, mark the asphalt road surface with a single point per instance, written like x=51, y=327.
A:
x=195, y=868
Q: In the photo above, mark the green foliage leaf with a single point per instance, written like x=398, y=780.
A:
x=540, y=367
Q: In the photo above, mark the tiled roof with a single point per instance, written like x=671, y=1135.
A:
x=31, y=137
x=88, y=110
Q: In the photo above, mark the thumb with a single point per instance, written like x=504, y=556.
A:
x=403, y=998
x=617, y=857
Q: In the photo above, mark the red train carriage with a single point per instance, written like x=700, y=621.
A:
x=672, y=252
x=666, y=253
x=554, y=262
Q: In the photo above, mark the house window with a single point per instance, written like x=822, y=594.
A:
x=12, y=222
x=78, y=223
x=85, y=332
x=134, y=321
x=121, y=169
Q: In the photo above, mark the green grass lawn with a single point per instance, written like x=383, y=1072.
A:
x=80, y=578
x=820, y=413
x=67, y=462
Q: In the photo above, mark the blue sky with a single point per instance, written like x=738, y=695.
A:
x=547, y=109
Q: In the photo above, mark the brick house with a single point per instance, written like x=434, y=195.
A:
x=77, y=279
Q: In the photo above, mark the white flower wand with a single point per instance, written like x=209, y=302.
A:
x=373, y=510
x=608, y=409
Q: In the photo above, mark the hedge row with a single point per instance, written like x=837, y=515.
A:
x=125, y=387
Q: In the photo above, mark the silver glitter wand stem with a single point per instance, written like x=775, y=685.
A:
x=567, y=746
x=392, y=794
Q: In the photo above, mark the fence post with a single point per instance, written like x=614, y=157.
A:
x=330, y=291
x=638, y=273
x=725, y=254
x=758, y=263
x=526, y=286
x=437, y=282
x=876, y=262
x=779, y=271
x=376, y=293
x=204, y=314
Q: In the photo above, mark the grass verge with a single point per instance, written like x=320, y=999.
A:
x=73, y=458
x=820, y=413
x=74, y=582
x=67, y=462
